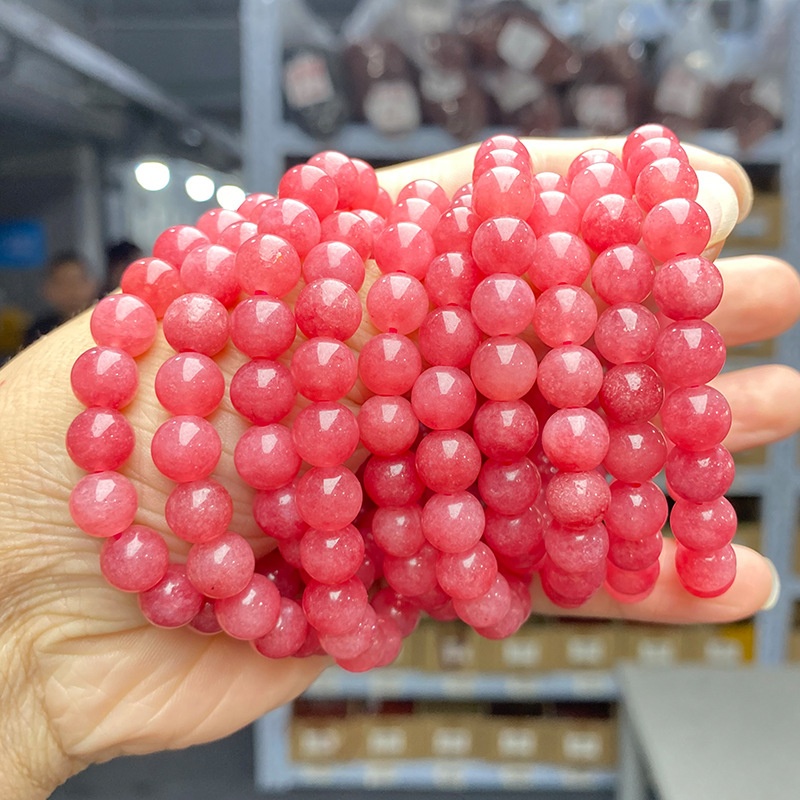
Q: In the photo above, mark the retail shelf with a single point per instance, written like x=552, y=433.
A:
x=394, y=683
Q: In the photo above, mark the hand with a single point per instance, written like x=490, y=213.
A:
x=83, y=678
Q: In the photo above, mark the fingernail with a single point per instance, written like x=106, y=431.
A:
x=772, y=600
x=719, y=200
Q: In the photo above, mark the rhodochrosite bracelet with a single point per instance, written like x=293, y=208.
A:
x=508, y=434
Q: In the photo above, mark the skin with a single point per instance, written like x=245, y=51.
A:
x=84, y=679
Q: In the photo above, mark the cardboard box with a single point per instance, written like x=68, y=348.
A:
x=391, y=737
x=449, y=646
x=517, y=740
x=320, y=740
x=587, y=743
x=763, y=228
x=654, y=645
x=531, y=649
x=451, y=736
x=793, y=647
x=749, y=534
x=720, y=645
x=584, y=646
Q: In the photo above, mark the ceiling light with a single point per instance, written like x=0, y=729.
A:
x=200, y=188
x=152, y=175
x=230, y=196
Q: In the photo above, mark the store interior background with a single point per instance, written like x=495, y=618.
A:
x=90, y=89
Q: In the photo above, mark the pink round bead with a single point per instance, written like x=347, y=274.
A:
x=288, y=635
x=199, y=511
x=404, y=247
x=703, y=526
x=221, y=567
x=554, y=210
x=448, y=336
x=453, y=522
x=328, y=307
x=650, y=150
x=397, y=302
x=343, y=172
x=196, y=322
x=253, y=612
x=706, y=574
x=205, y=621
x=488, y=609
x=328, y=498
x=233, y=237
x=509, y=487
x=575, y=439
x=597, y=179
x=549, y=182
x=504, y=141
x=104, y=376
x=103, y=504
x=286, y=577
x=332, y=556
x=173, y=244
x=631, y=393
x=265, y=457
x=503, y=244
x=505, y=430
x=564, y=315
x=503, y=191
x=387, y=603
x=397, y=530
x=635, y=554
x=455, y=229
x=262, y=327
x=443, y=398
x=100, y=439
x=626, y=333
x=335, y=608
x=595, y=155
x=267, y=264
x=275, y=512
x=610, y=220
x=186, y=448
x=425, y=189
x=451, y=279
x=635, y=511
x=323, y=369
x=641, y=134
x=503, y=368
x=189, y=383
x=173, y=602
x=154, y=281
x=467, y=574
x=216, y=220
x=623, y=273
x=252, y=201
x=414, y=575
x=387, y=425
x=696, y=417
x=576, y=550
x=687, y=287
x=636, y=452
x=674, y=227
x=334, y=260
x=664, y=179
x=311, y=185
x=502, y=304
x=262, y=391
x=393, y=481
x=518, y=612
x=577, y=499
x=699, y=477
x=389, y=363
x=134, y=560
x=291, y=220
x=515, y=536
x=569, y=376
x=689, y=352
x=631, y=586
x=448, y=461
x=366, y=189
x=569, y=589
x=210, y=269
x=125, y=322
x=375, y=221
x=359, y=644
x=325, y=434
x=560, y=257
x=350, y=228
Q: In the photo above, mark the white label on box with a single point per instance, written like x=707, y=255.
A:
x=586, y=650
x=521, y=653
x=584, y=746
x=657, y=652
x=601, y=107
x=392, y=107
x=386, y=741
x=680, y=92
x=306, y=80
x=522, y=45
x=454, y=653
x=427, y=17
x=723, y=652
x=512, y=90
x=452, y=742
x=319, y=742
x=442, y=85
x=378, y=775
x=517, y=743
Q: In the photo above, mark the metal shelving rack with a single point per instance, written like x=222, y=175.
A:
x=268, y=141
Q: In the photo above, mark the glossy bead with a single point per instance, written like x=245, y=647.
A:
x=560, y=257
x=623, y=273
x=389, y=363
x=467, y=574
x=443, y=398
x=323, y=369
x=328, y=307
x=449, y=336
x=199, y=511
x=455, y=229
x=275, y=512
x=674, y=227
x=554, y=210
x=595, y=155
x=687, y=287
x=221, y=567
x=334, y=608
x=332, y=556
x=576, y=550
x=414, y=575
x=353, y=644
x=516, y=536
x=404, y=247
x=262, y=391
x=635, y=554
x=393, y=481
x=366, y=188
x=706, y=574
x=575, y=439
x=252, y=201
x=453, y=522
x=311, y=185
x=564, y=315
x=664, y=179
x=577, y=499
x=189, y=383
x=135, y=559
x=186, y=448
x=289, y=633
x=631, y=393
x=425, y=189
x=211, y=269
x=610, y=220
x=488, y=609
x=173, y=602
x=518, y=612
x=154, y=281
x=451, y=279
x=397, y=303
x=253, y=612
x=262, y=327
x=375, y=221
x=505, y=430
x=509, y=487
x=216, y=220
x=631, y=586
x=501, y=157
x=503, y=191
x=635, y=511
x=597, y=179
x=505, y=141
x=696, y=417
x=387, y=425
x=103, y=504
x=267, y=264
x=503, y=244
x=416, y=210
x=343, y=172
x=503, y=368
x=568, y=589
x=636, y=452
x=125, y=322
x=626, y=333
x=100, y=439
x=643, y=133
x=703, y=526
x=689, y=352
x=502, y=304
x=265, y=457
x=328, y=498
x=286, y=577
x=389, y=603
x=292, y=220
x=650, y=150
x=196, y=322
x=334, y=260
x=699, y=477
x=350, y=228
x=569, y=375
x=173, y=244
x=325, y=434
x=448, y=461
x=204, y=621
x=398, y=530
x=104, y=376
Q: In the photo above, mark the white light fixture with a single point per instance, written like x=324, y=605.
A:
x=152, y=175
x=230, y=196
x=200, y=188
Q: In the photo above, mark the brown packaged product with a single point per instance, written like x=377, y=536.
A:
x=753, y=108
x=525, y=103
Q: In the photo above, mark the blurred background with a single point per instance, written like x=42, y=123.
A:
x=119, y=118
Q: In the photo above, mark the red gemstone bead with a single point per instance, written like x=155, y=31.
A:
x=503, y=191
x=221, y=567
x=404, y=247
x=448, y=336
x=706, y=574
x=342, y=170
x=262, y=391
x=288, y=635
x=664, y=179
x=104, y=376
x=350, y=228
x=387, y=425
x=503, y=368
x=262, y=327
x=334, y=260
x=550, y=182
x=425, y=189
x=186, y=448
x=393, y=480
x=575, y=439
x=328, y=498
x=414, y=575
x=328, y=307
x=467, y=574
x=312, y=186
x=252, y=201
x=503, y=244
x=687, y=287
x=335, y=608
x=626, y=333
x=505, y=430
x=134, y=560
x=417, y=210
x=443, y=398
x=636, y=452
x=154, y=281
x=275, y=512
x=103, y=504
x=674, y=227
x=635, y=554
x=366, y=189
x=323, y=369
x=173, y=602
x=631, y=586
x=189, y=383
x=569, y=375
x=597, y=179
x=253, y=612
x=502, y=304
x=332, y=556
x=635, y=511
x=509, y=487
x=397, y=302
x=595, y=155
x=211, y=269
x=214, y=221
x=196, y=322
x=504, y=141
x=576, y=550
x=651, y=149
x=515, y=537
x=689, y=352
x=389, y=364
x=564, y=315
x=560, y=257
x=325, y=434
x=100, y=439
x=696, y=417
x=174, y=243
x=265, y=457
x=610, y=220
x=643, y=133
x=631, y=393
x=623, y=273
x=124, y=321
x=455, y=229
x=292, y=220
x=703, y=526
x=267, y=264
x=398, y=530
x=451, y=279
x=448, y=461
x=554, y=211
x=199, y=511
x=577, y=499
x=699, y=477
